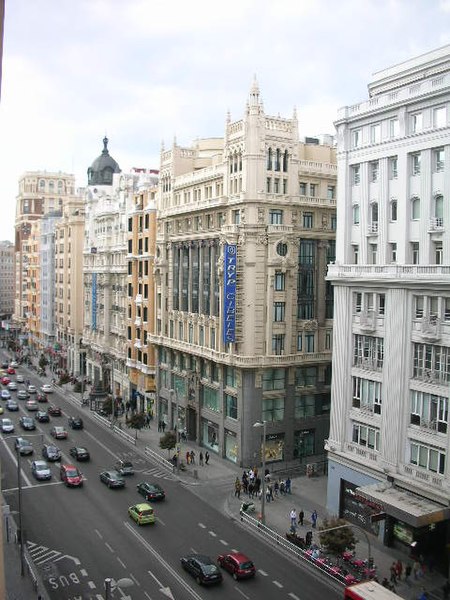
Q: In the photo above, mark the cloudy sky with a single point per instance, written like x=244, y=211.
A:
x=144, y=71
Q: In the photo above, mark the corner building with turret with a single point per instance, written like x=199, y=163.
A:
x=246, y=228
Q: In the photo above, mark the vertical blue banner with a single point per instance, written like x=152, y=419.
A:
x=94, y=301
x=229, y=294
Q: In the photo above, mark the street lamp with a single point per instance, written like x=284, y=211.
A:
x=263, y=497
x=111, y=585
x=177, y=429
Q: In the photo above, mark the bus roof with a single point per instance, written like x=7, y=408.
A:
x=369, y=590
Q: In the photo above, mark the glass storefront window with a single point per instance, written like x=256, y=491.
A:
x=231, y=446
x=211, y=399
x=231, y=409
x=210, y=435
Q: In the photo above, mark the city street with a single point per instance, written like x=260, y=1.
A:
x=79, y=537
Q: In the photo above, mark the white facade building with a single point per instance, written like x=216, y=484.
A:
x=388, y=445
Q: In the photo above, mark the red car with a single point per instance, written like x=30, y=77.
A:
x=54, y=411
x=71, y=476
x=5, y=380
x=41, y=398
x=11, y=371
x=236, y=563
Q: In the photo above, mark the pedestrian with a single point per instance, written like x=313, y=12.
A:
x=159, y=425
x=163, y=426
x=446, y=590
x=282, y=487
x=314, y=518
x=251, y=489
x=206, y=457
x=301, y=516
x=416, y=569
x=399, y=569
x=393, y=570
x=424, y=595
x=288, y=485
x=200, y=457
x=192, y=457
x=237, y=488
x=276, y=487
x=188, y=457
x=408, y=570
x=293, y=517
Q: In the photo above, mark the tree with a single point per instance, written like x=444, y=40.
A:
x=43, y=362
x=337, y=540
x=168, y=441
x=136, y=421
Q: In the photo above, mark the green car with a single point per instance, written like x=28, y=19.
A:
x=142, y=513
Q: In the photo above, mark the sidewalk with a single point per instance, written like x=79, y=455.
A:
x=307, y=493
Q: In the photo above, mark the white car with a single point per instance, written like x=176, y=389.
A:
x=12, y=385
x=31, y=389
x=5, y=395
x=14, y=364
x=6, y=425
x=19, y=378
x=47, y=388
x=32, y=405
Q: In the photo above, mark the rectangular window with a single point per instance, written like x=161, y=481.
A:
x=355, y=212
x=273, y=379
x=306, y=376
x=333, y=221
x=427, y=457
x=357, y=302
x=367, y=395
x=375, y=133
x=231, y=410
x=368, y=352
x=299, y=342
x=381, y=304
x=230, y=377
x=279, y=281
x=211, y=399
x=363, y=435
x=439, y=159
x=308, y=220
x=393, y=167
x=355, y=250
x=236, y=217
x=356, y=174
x=394, y=128
x=268, y=185
x=331, y=192
x=275, y=217
x=278, y=311
x=285, y=186
x=312, y=189
x=273, y=409
x=304, y=407
x=309, y=342
x=374, y=170
x=393, y=247
x=415, y=253
x=356, y=138
x=302, y=188
x=446, y=303
x=417, y=122
x=373, y=251
x=440, y=116
x=438, y=253
x=276, y=186
x=278, y=343
x=415, y=163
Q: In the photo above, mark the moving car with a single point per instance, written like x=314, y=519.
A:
x=14, y=364
x=76, y=422
x=25, y=447
x=55, y=411
x=7, y=426
x=5, y=394
x=41, y=470
x=79, y=453
x=12, y=405
x=23, y=394
x=1, y=410
x=31, y=389
x=124, y=467
x=19, y=378
x=59, y=433
x=47, y=388
x=11, y=370
x=203, y=568
x=12, y=386
x=5, y=380
x=51, y=452
x=32, y=405
x=71, y=476
x=112, y=479
x=151, y=491
x=27, y=423
x=42, y=416
x=41, y=397
x=142, y=513
x=238, y=564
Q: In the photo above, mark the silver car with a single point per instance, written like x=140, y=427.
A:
x=41, y=470
x=7, y=426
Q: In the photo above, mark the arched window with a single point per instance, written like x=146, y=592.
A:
x=60, y=185
x=51, y=186
x=374, y=212
x=269, y=159
x=285, y=161
x=439, y=209
x=415, y=208
x=393, y=210
x=42, y=184
x=240, y=161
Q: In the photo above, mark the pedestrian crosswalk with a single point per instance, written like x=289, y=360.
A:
x=159, y=474
x=40, y=555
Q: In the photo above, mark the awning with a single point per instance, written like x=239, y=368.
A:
x=410, y=508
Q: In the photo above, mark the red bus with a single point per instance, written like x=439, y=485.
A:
x=369, y=590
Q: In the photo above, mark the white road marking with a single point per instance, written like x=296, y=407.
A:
x=83, y=572
x=277, y=583
x=147, y=595
x=261, y=572
x=92, y=585
x=234, y=550
x=135, y=580
x=293, y=596
x=202, y=526
x=160, y=521
x=225, y=543
x=121, y=562
x=213, y=533
x=110, y=548
x=241, y=592
x=98, y=533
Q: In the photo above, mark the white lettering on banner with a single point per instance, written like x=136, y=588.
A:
x=63, y=581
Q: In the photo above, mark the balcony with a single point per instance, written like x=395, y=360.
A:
x=436, y=224
x=430, y=328
x=367, y=320
x=372, y=228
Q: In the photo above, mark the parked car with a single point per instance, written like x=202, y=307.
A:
x=142, y=513
x=23, y=395
x=51, y=452
x=112, y=479
x=31, y=389
x=151, y=491
x=5, y=394
x=27, y=423
x=75, y=422
x=71, y=476
x=54, y=411
x=41, y=470
x=42, y=416
x=12, y=405
x=23, y=446
x=7, y=426
x=12, y=386
x=41, y=397
x=79, y=453
x=238, y=564
x=203, y=568
x=124, y=467
x=59, y=433
x=32, y=405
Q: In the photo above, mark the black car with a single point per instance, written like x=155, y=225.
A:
x=51, y=453
x=42, y=416
x=80, y=453
x=55, y=411
x=203, y=568
x=76, y=422
x=151, y=491
x=124, y=467
x=27, y=423
x=25, y=447
x=112, y=479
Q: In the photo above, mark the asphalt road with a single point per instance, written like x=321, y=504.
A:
x=79, y=537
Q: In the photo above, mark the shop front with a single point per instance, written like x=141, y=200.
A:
x=274, y=447
x=231, y=445
x=210, y=435
x=359, y=510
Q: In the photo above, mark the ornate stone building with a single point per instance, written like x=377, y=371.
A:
x=246, y=227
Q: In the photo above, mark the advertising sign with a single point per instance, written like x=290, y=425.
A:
x=229, y=292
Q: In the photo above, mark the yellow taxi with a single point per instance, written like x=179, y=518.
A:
x=142, y=513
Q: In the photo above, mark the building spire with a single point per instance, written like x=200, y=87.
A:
x=105, y=145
